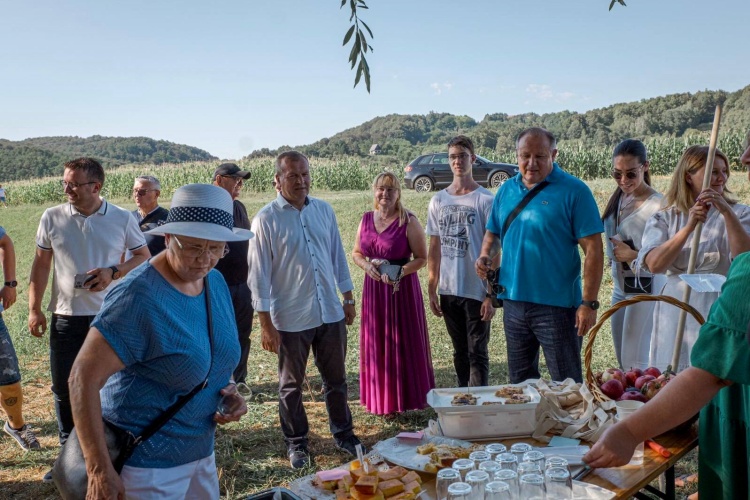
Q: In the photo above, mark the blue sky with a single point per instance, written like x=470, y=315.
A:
x=233, y=76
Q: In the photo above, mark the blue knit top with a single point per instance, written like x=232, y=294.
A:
x=161, y=336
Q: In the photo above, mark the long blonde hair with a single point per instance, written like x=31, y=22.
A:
x=679, y=194
x=389, y=180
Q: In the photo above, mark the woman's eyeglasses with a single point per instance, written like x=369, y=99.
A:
x=630, y=174
x=194, y=251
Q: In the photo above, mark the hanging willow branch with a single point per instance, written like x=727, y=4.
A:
x=359, y=45
x=613, y=2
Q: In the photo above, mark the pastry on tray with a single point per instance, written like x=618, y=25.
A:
x=508, y=391
x=518, y=399
x=463, y=399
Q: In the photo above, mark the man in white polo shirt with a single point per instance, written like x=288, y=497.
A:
x=86, y=238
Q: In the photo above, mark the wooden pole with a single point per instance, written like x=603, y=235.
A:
x=707, y=171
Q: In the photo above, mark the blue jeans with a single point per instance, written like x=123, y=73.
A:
x=328, y=342
x=9, y=371
x=529, y=326
x=66, y=336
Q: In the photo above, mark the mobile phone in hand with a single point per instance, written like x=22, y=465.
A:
x=83, y=280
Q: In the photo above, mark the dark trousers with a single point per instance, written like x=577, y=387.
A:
x=470, y=336
x=66, y=336
x=243, y=316
x=328, y=343
x=529, y=326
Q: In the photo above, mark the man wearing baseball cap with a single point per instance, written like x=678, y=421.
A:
x=233, y=267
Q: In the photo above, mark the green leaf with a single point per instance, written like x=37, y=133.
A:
x=348, y=34
x=359, y=72
x=367, y=28
x=363, y=40
x=343, y=2
x=367, y=74
x=354, y=54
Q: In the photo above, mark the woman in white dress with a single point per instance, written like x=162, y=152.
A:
x=629, y=208
x=668, y=239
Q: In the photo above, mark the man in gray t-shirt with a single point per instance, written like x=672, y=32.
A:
x=456, y=220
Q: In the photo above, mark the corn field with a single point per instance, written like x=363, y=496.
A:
x=587, y=162
x=347, y=173
x=356, y=174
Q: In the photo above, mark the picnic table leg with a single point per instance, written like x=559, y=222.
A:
x=670, y=489
x=666, y=488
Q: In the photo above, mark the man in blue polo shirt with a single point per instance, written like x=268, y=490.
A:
x=540, y=265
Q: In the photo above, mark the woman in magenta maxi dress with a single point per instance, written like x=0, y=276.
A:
x=395, y=361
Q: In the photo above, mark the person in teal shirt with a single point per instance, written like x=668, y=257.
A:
x=540, y=263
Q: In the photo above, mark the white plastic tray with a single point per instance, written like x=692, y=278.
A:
x=440, y=399
x=403, y=452
x=479, y=421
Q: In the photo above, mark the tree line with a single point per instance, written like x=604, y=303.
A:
x=45, y=156
x=403, y=137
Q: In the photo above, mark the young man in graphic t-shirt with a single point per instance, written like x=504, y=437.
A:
x=456, y=220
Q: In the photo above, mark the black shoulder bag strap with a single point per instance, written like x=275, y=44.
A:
x=170, y=412
x=526, y=199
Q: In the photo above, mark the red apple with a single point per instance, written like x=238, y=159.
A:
x=613, y=389
x=633, y=396
x=614, y=374
x=632, y=375
x=653, y=371
x=641, y=381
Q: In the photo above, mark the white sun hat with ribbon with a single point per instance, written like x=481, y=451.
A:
x=202, y=211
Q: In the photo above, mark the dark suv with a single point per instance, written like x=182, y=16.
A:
x=433, y=171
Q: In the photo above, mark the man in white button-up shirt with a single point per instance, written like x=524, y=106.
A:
x=297, y=263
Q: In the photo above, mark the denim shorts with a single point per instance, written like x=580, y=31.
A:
x=9, y=372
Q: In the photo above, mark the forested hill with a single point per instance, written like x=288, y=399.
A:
x=406, y=136
x=43, y=156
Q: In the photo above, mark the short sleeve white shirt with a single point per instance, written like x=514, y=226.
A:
x=459, y=221
x=80, y=244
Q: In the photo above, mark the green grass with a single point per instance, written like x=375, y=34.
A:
x=251, y=453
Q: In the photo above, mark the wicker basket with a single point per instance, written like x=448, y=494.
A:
x=589, y=347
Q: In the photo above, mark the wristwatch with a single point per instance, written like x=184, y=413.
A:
x=11, y=284
x=349, y=302
x=593, y=304
x=116, y=274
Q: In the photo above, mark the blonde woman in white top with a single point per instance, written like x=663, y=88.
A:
x=668, y=238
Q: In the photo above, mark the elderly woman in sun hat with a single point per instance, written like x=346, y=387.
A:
x=166, y=328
